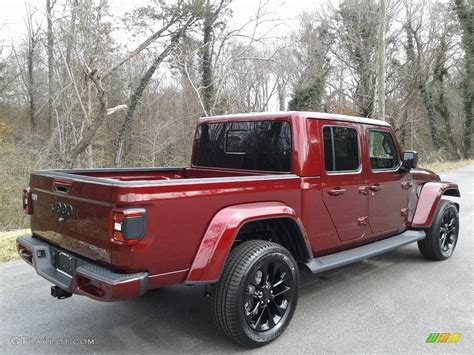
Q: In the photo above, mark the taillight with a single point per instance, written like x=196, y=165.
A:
x=27, y=201
x=128, y=225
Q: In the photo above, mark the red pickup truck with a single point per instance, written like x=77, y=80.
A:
x=265, y=196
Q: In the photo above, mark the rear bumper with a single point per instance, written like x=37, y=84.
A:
x=88, y=279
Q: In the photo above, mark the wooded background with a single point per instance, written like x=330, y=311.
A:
x=72, y=96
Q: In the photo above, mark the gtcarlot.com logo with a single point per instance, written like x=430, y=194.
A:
x=24, y=340
x=443, y=337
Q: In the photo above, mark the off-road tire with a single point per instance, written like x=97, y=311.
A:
x=232, y=296
x=432, y=246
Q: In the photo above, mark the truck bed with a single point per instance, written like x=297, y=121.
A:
x=179, y=204
x=150, y=174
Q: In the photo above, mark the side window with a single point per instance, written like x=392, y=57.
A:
x=341, y=149
x=382, y=151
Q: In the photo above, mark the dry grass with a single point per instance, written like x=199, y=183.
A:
x=442, y=167
x=16, y=163
x=8, y=244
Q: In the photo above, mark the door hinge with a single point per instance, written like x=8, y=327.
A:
x=363, y=190
x=362, y=221
x=406, y=185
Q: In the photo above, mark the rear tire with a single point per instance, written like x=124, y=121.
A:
x=442, y=236
x=257, y=294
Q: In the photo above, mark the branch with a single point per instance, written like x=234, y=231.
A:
x=91, y=130
x=140, y=48
x=118, y=108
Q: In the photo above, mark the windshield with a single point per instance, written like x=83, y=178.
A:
x=257, y=145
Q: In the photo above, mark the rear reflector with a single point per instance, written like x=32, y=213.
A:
x=26, y=201
x=128, y=225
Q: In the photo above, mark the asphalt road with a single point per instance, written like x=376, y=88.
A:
x=387, y=304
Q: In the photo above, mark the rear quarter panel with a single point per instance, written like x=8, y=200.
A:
x=179, y=214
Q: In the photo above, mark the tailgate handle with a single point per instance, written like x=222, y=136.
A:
x=62, y=185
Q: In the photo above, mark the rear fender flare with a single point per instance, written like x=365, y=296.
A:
x=221, y=232
x=428, y=201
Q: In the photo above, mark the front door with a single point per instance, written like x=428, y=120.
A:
x=343, y=181
x=388, y=187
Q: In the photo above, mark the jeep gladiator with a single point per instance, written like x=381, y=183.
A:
x=265, y=196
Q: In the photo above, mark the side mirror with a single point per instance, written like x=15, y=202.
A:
x=410, y=160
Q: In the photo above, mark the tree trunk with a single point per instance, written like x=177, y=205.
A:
x=465, y=11
x=134, y=99
x=281, y=95
x=428, y=103
x=206, y=57
x=96, y=122
x=30, y=75
x=31, y=84
x=49, y=8
x=72, y=32
x=381, y=61
x=440, y=104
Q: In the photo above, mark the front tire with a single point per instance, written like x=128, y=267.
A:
x=442, y=236
x=257, y=294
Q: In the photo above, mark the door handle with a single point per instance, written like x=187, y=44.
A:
x=363, y=190
x=375, y=187
x=336, y=191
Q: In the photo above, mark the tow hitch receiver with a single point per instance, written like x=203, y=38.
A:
x=59, y=293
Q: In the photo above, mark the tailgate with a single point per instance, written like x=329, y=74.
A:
x=73, y=213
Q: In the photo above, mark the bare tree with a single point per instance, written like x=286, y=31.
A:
x=175, y=26
x=465, y=12
x=355, y=46
x=312, y=57
x=380, y=96
x=28, y=74
x=49, y=19
x=137, y=94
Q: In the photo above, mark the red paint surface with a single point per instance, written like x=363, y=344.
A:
x=192, y=220
x=428, y=202
x=224, y=227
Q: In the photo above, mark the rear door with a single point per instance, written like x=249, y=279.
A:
x=343, y=180
x=388, y=188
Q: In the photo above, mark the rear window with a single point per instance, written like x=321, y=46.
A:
x=259, y=145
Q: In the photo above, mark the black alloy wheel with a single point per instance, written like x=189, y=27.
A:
x=442, y=237
x=268, y=295
x=257, y=293
x=448, y=232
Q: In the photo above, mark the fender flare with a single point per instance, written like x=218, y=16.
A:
x=221, y=232
x=429, y=199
